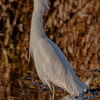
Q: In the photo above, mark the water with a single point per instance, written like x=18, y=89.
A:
x=27, y=89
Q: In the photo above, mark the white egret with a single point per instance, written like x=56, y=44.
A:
x=51, y=64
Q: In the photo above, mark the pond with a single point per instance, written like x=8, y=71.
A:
x=28, y=88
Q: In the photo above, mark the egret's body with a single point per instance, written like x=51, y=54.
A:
x=51, y=64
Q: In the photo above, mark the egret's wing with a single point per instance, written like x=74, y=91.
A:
x=47, y=59
x=55, y=66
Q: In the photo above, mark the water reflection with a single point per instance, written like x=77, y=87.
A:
x=25, y=88
x=68, y=97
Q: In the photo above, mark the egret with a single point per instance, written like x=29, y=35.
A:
x=52, y=66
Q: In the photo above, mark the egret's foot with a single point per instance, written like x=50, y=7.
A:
x=50, y=96
x=52, y=93
x=53, y=90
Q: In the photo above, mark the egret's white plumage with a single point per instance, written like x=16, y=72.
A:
x=51, y=64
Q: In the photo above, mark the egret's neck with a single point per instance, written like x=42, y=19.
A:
x=37, y=31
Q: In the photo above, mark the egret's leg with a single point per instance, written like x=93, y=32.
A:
x=50, y=94
x=50, y=90
x=53, y=92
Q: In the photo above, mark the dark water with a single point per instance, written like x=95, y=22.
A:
x=27, y=89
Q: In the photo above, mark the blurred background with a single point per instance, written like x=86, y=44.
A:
x=73, y=25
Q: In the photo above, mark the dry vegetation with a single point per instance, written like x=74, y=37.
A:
x=74, y=25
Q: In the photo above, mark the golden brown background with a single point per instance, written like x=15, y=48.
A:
x=74, y=25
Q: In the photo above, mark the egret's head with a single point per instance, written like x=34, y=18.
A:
x=41, y=5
